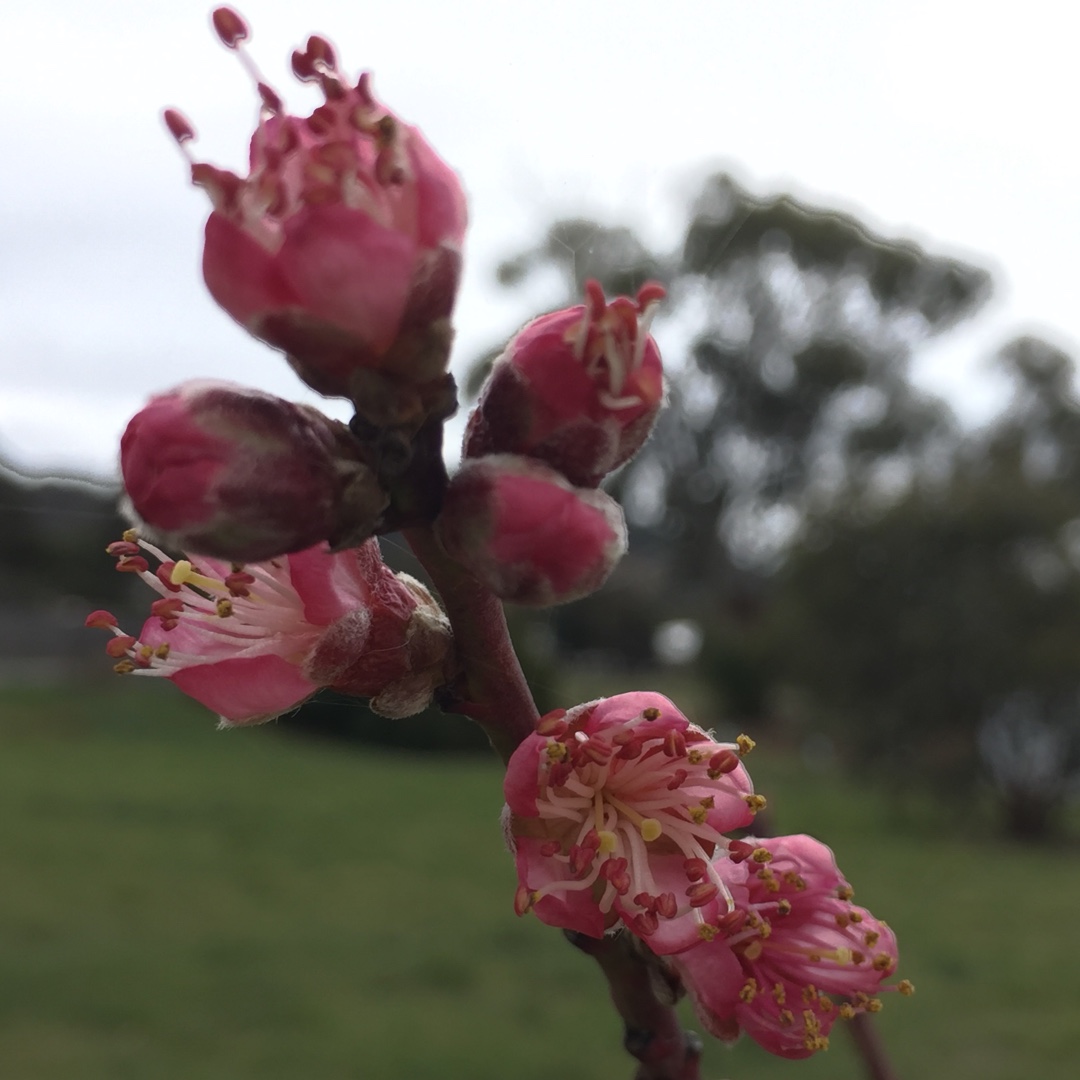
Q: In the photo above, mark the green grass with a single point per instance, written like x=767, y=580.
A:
x=182, y=903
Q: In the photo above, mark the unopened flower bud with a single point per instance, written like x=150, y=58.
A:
x=342, y=245
x=526, y=533
x=578, y=388
x=227, y=471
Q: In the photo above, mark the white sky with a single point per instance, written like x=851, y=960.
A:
x=952, y=123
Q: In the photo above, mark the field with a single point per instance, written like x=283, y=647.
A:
x=180, y=903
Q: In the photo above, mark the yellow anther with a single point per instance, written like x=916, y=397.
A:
x=608, y=841
x=783, y=907
x=873, y=1005
x=857, y=957
x=650, y=828
x=847, y=1011
x=745, y=745
x=695, y=757
x=224, y=607
x=708, y=802
x=145, y=652
x=755, y=802
x=124, y=667
x=130, y=536
x=906, y=987
x=753, y=949
x=816, y=1042
x=748, y=991
x=162, y=651
x=809, y=993
x=181, y=571
x=761, y=855
x=810, y=1021
x=882, y=962
x=842, y=920
x=707, y=932
x=845, y=892
x=856, y=916
x=651, y=714
x=556, y=751
x=787, y=1017
x=698, y=814
x=825, y=1004
x=779, y=994
x=871, y=938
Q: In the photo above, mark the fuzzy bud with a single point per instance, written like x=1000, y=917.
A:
x=578, y=389
x=527, y=534
x=223, y=470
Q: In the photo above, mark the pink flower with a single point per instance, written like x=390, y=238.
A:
x=617, y=809
x=342, y=245
x=526, y=533
x=241, y=475
x=793, y=938
x=253, y=642
x=578, y=388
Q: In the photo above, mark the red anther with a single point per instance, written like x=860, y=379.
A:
x=237, y=583
x=552, y=724
x=229, y=25
x=119, y=646
x=644, y=924
x=591, y=840
x=180, y=127
x=723, y=761
x=302, y=66
x=523, y=900
x=731, y=922
x=167, y=607
x=270, y=97
x=674, y=744
x=645, y=900
x=559, y=773
x=595, y=750
x=739, y=850
x=595, y=303
x=631, y=750
x=320, y=51
x=122, y=547
x=704, y=892
x=695, y=869
x=667, y=906
x=620, y=882
x=650, y=293
x=581, y=858
x=550, y=847
x=100, y=620
x=625, y=311
x=132, y=564
x=677, y=780
x=164, y=575
x=612, y=867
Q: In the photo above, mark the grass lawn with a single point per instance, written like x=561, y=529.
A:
x=183, y=903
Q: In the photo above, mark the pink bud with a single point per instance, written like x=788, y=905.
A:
x=231, y=472
x=342, y=244
x=578, y=388
x=527, y=534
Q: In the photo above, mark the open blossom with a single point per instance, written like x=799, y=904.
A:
x=342, y=245
x=617, y=809
x=578, y=388
x=255, y=641
x=527, y=534
x=232, y=472
x=769, y=965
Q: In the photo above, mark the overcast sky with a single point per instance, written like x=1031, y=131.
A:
x=953, y=124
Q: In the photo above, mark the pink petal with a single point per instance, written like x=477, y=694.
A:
x=246, y=691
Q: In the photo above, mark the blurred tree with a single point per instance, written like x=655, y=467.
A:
x=946, y=622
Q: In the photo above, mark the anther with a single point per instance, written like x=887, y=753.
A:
x=906, y=987
x=229, y=26
x=745, y=744
x=100, y=620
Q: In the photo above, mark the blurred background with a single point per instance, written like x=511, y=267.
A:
x=855, y=534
